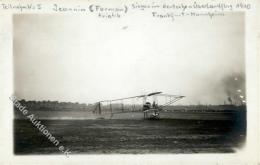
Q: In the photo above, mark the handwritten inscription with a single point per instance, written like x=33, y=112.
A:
x=173, y=15
x=140, y=6
x=58, y=8
x=158, y=10
x=21, y=7
x=108, y=12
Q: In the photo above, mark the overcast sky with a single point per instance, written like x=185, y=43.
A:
x=79, y=59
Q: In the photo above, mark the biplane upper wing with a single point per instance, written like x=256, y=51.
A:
x=169, y=95
x=154, y=93
x=125, y=98
x=139, y=96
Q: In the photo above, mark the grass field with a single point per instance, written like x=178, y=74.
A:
x=130, y=136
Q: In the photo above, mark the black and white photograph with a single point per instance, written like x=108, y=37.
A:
x=101, y=88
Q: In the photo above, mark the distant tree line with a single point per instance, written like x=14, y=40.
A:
x=55, y=105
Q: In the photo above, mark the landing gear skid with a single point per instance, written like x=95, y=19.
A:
x=153, y=116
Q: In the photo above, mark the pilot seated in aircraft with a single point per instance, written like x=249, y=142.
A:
x=147, y=106
x=155, y=106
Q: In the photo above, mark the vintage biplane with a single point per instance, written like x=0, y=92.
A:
x=150, y=105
